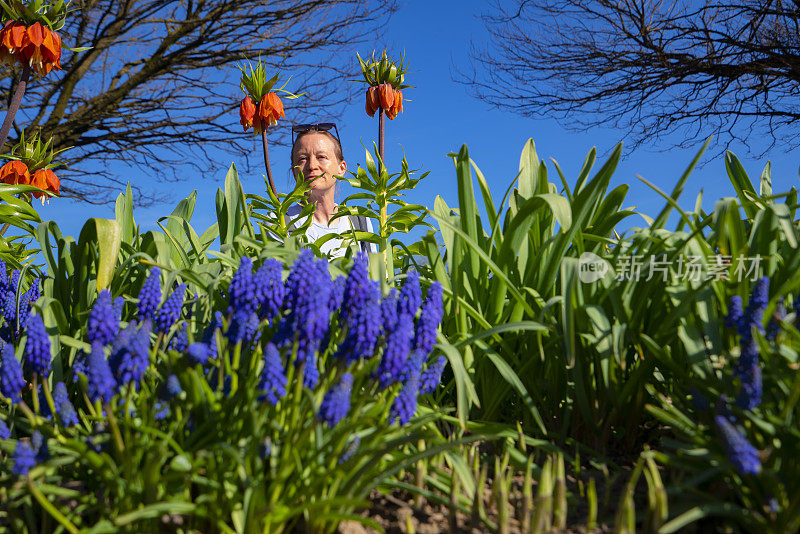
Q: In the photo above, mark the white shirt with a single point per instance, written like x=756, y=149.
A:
x=316, y=230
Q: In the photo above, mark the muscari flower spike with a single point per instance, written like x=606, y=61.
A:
x=740, y=452
x=273, y=379
x=270, y=290
x=64, y=407
x=11, y=381
x=103, y=323
x=197, y=353
x=363, y=326
x=242, y=289
x=24, y=458
x=336, y=402
x=432, y=375
x=410, y=295
x=429, y=319
x=754, y=313
x=774, y=324
x=150, y=295
x=101, y=383
x=180, y=341
x=130, y=356
x=405, y=404
x=37, y=347
x=5, y=433
x=735, y=312
x=170, y=310
x=396, y=351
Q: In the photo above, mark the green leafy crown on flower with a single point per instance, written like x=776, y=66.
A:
x=50, y=14
x=383, y=69
x=35, y=154
x=257, y=86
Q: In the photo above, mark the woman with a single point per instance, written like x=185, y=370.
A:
x=317, y=155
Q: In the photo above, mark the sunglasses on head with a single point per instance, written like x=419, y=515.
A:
x=321, y=127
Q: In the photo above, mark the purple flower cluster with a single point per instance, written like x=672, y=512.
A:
x=740, y=452
x=5, y=433
x=410, y=295
x=101, y=383
x=24, y=459
x=405, y=404
x=37, y=347
x=150, y=295
x=64, y=407
x=273, y=379
x=170, y=310
x=774, y=324
x=361, y=312
x=429, y=318
x=242, y=289
x=130, y=353
x=336, y=402
x=15, y=307
x=432, y=375
x=180, y=341
x=198, y=353
x=103, y=323
x=11, y=381
x=747, y=367
x=308, y=295
x=396, y=351
x=270, y=290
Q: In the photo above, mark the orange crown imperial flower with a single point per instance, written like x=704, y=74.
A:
x=385, y=79
x=261, y=106
x=247, y=112
x=30, y=36
x=15, y=172
x=31, y=163
x=397, y=105
x=46, y=180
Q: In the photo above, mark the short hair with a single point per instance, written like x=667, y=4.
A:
x=336, y=144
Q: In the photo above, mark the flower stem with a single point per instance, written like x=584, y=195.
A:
x=16, y=100
x=266, y=161
x=49, y=508
x=381, y=138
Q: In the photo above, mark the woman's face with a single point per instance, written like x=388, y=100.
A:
x=315, y=156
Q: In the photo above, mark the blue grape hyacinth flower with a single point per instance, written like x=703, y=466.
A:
x=735, y=312
x=273, y=379
x=396, y=351
x=170, y=311
x=410, y=298
x=336, y=402
x=150, y=295
x=37, y=354
x=23, y=459
x=130, y=356
x=64, y=408
x=753, y=315
x=242, y=289
x=270, y=289
x=429, y=318
x=5, y=433
x=432, y=375
x=742, y=455
x=101, y=383
x=103, y=323
x=12, y=382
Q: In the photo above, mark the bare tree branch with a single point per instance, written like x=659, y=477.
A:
x=652, y=67
x=158, y=90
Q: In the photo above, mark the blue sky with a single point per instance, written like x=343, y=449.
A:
x=440, y=115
